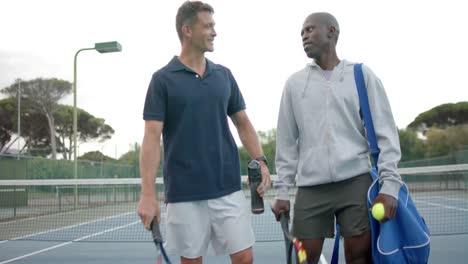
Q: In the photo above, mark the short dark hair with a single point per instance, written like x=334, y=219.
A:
x=187, y=14
x=328, y=20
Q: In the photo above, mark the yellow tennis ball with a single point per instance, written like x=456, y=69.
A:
x=378, y=211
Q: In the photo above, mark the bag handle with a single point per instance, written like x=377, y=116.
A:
x=375, y=182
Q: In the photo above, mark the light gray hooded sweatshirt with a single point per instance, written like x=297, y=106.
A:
x=320, y=133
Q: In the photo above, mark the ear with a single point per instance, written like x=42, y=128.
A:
x=331, y=32
x=186, y=30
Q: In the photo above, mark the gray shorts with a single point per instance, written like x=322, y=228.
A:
x=223, y=223
x=316, y=207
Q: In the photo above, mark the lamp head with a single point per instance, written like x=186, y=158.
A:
x=106, y=47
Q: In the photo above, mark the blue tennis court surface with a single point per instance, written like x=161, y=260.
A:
x=445, y=249
x=47, y=223
x=91, y=242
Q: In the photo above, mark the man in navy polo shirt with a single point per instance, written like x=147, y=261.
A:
x=188, y=102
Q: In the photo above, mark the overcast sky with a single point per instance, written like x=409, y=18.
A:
x=417, y=48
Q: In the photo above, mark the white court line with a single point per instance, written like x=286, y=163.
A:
x=322, y=260
x=36, y=252
x=444, y=206
x=449, y=199
x=106, y=231
x=71, y=226
x=3, y=241
x=69, y=242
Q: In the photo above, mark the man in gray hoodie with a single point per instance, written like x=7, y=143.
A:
x=321, y=139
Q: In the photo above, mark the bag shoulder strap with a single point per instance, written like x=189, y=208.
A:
x=336, y=246
x=369, y=125
x=365, y=109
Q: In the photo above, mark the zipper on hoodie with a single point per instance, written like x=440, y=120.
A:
x=328, y=135
x=328, y=130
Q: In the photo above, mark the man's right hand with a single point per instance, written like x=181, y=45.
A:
x=148, y=208
x=280, y=206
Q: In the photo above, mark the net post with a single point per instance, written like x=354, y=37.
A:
x=14, y=201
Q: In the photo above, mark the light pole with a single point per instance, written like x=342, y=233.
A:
x=102, y=47
x=19, y=116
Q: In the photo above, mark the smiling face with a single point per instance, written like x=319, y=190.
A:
x=202, y=33
x=195, y=26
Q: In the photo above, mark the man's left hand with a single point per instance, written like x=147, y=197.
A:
x=390, y=205
x=266, y=181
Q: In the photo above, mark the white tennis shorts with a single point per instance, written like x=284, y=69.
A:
x=224, y=222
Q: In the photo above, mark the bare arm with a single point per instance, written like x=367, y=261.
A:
x=247, y=134
x=250, y=141
x=148, y=206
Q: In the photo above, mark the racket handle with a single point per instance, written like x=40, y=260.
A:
x=255, y=179
x=282, y=217
x=155, y=230
x=284, y=221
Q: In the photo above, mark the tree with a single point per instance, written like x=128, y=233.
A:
x=444, y=127
x=412, y=147
x=442, y=116
x=44, y=95
x=268, y=142
x=132, y=156
x=96, y=156
x=35, y=130
x=89, y=128
x=446, y=141
x=7, y=107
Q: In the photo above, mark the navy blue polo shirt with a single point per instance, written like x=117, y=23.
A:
x=201, y=160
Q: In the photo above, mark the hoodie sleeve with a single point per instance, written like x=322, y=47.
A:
x=386, y=133
x=286, y=145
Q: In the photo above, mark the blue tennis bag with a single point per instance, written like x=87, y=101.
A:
x=404, y=239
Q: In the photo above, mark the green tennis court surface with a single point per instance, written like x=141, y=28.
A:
x=94, y=221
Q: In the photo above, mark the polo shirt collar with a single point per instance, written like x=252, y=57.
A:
x=176, y=65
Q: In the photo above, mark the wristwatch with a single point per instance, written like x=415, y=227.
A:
x=262, y=158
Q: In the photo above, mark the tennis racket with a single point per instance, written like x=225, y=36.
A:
x=158, y=241
x=292, y=242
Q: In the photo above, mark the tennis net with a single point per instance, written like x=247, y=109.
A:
x=105, y=209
